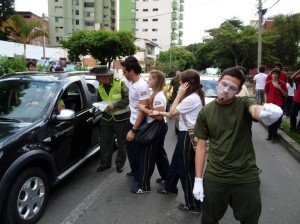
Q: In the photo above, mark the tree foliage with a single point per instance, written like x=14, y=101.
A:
x=103, y=45
x=6, y=11
x=234, y=44
x=16, y=64
x=21, y=31
x=175, y=58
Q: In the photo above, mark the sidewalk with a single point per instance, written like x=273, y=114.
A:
x=286, y=141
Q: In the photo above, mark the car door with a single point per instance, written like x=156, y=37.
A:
x=71, y=139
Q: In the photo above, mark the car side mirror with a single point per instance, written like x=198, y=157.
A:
x=65, y=115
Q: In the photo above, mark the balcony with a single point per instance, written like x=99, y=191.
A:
x=174, y=25
x=173, y=36
x=180, y=16
x=174, y=16
x=180, y=25
x=181, y=7
x=175, y=5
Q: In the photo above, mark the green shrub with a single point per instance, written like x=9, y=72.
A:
x=17, y=64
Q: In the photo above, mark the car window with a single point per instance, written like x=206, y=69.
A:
x=73, y=97
x=25, y=100
x=210, y=88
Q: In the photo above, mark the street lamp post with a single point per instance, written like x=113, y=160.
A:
x=44, y=38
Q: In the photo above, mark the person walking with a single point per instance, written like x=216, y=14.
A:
x=295, y=107
x=275, y=91
x=259, y=81
x=138, y=94
x=154, y=151
x=115, y=117
x=291, y=88
x=187, y=104
x=230, y=176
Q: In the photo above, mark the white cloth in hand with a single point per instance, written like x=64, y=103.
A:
x=270, y=113
x=198, y=189
x=100, y=105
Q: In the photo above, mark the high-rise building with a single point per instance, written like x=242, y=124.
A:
x=67, y=16
x=159, y=21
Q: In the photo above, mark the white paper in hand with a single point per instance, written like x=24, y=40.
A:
x=101, y=105
x=270, y=113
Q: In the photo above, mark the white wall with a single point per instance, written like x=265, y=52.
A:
x=10, y=49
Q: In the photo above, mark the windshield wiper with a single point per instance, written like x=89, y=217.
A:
x=9, y=120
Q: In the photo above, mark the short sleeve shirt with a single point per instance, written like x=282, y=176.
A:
x=231, y=156
x=297, y=93
x=260, y=80
x=137, y=91
x=158, y=101
x=189, y=109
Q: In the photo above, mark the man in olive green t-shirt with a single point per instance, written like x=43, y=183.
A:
x=230, y=177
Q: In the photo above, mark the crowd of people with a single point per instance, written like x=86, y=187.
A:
x=230, y=175
x=281, y=90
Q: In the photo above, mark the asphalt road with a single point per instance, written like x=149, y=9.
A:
x=88, y=197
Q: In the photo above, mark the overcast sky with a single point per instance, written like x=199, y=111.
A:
x=201, y=15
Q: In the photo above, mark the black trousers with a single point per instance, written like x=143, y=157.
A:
x=183, y=167
x=133, y=154
x=150, y=154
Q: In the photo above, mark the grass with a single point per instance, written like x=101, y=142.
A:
x=286, y=129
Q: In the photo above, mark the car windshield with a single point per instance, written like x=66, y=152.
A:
x=210, y=88
x=24, y=100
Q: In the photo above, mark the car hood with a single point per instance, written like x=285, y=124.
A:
x=9, y=129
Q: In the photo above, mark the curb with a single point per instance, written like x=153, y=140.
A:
x=289, y=144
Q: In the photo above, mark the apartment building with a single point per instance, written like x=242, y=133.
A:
x=67, y=16
x=158, y=21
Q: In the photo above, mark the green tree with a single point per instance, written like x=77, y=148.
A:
x=16, y=64
x=176, y=58
x=287, y=30
x=103, y=45
x=21, y=31
x=6, y=10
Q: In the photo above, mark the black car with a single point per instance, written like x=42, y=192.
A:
x=39, y=144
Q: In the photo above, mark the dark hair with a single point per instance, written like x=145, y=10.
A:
x=59, y=69
x=30, y=63
x=262, y=69
x=238, y=72
x=278, y=64
x=276, y=71
x=131, y=63
x=193, y=78
x=290, y=81
x=159, y=78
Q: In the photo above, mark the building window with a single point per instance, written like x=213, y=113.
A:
x=77, y=12
x=57, y=39
x=133, y=21
x=77, y=22
x=145, y=30
x=105, y=7
x=56, y=19
x=145, y=0
x=154, y=30
x=155, y=20
x=154, y=39
x=155, y=10
x=89, y=23
x=145, y=20
x=56, y=0
x=89, y=4
x=89, y=14
x=145, y=10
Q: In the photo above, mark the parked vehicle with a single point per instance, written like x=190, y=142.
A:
x=40, y=146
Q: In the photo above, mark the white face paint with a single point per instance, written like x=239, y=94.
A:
x=226, y=90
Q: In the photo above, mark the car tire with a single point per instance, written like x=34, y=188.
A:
x=27, y=197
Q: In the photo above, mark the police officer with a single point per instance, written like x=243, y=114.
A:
x=115, y=117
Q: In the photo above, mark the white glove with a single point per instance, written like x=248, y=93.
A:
x=198, y=189
x=270, y=113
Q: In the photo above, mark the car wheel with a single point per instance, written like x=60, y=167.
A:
x=27, y=197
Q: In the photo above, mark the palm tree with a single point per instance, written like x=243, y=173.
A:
x=21, y=31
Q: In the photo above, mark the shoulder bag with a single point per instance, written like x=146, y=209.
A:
x=190, y=128
x=148, y=131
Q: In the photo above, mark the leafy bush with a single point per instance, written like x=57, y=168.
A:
x=17, y=64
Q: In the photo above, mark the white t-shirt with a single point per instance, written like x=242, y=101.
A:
x=190, y=108
x=158, y=101
x=137, y=91
x=291, y=90
x=260, y=80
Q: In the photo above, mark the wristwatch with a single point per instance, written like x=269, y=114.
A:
x=133, y=130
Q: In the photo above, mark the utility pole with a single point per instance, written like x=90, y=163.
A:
x=260, y=14
x=44, y=38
